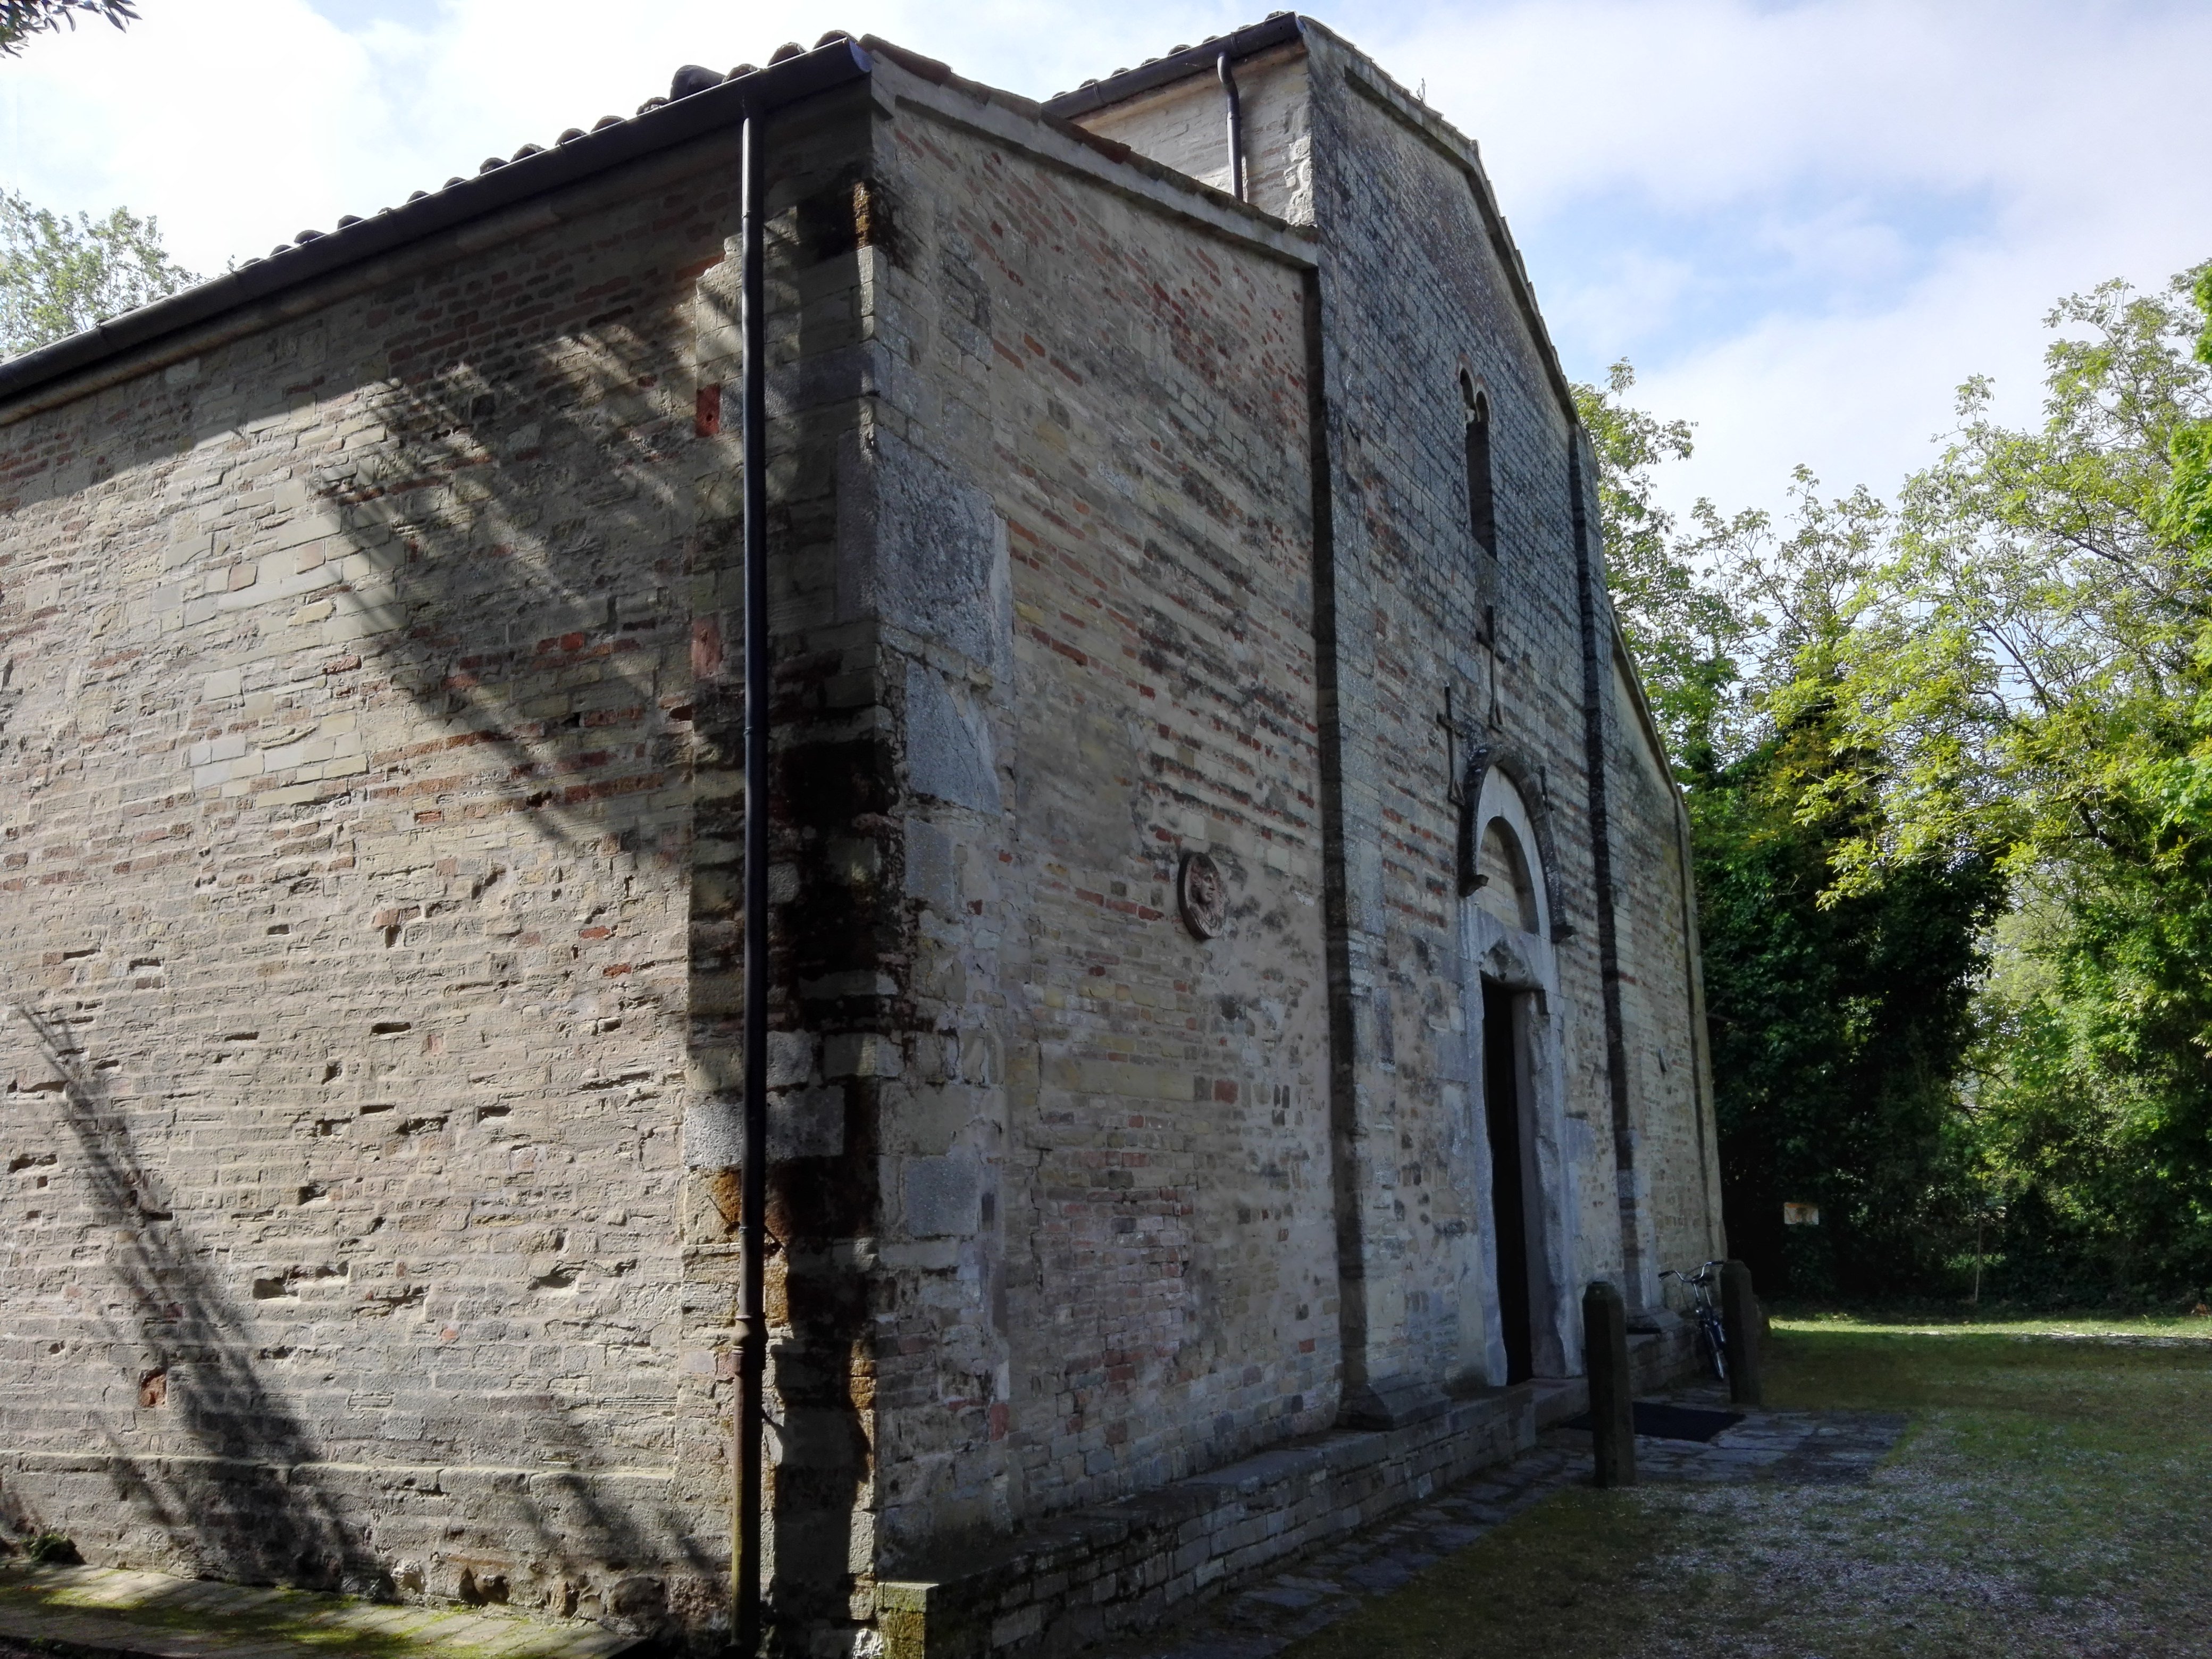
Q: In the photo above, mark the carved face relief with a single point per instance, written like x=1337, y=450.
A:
x=1203, y=896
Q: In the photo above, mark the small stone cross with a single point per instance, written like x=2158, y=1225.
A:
x=1453, y=734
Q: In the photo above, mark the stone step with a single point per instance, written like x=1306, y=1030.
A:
x=1106, y=1573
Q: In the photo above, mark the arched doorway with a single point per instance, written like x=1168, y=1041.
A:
x=1520, y=1165
x=1504, y=1117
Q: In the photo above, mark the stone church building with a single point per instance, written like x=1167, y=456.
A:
x=1234, y=977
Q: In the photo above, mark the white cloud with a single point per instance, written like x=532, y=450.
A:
x=1806, y=222
x=239, y=122
x=1918, y=183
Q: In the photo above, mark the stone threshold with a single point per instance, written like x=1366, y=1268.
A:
x=111, y=1613
x=1097, y=1575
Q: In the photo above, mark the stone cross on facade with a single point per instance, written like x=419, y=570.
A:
x=1453, y=734
x=1477, y=742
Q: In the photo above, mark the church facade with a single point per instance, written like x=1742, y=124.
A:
x=1234, y=968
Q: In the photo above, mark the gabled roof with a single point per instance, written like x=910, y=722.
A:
x=1370, y=78
x=1278, y=28
x=701, y=101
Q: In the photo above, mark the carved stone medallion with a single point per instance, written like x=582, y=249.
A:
x=1203, y=896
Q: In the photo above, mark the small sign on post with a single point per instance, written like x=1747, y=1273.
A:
x=1800, y=1215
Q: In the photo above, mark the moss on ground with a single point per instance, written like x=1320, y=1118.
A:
x=2047, y=1504
x=295, y=1617
x=302, y=1621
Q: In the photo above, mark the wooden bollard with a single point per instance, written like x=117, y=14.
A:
x=1740, y=1321
x=1611, y=1390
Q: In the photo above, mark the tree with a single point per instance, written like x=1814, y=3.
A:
x=1838, y=1029
x=1949, y=768
x=2033, y=641
x=60, y=276
x=1838, y=1026
x=1840, y=1022
x=1676, y=615
x=21, y=19
x=2034, y=669
x=2185, y=519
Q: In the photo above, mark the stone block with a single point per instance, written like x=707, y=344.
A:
x=941, y=1196
x=950, y=755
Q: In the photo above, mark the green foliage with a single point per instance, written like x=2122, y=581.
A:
x=60, y=276
x=2033, y=669
x=2029, y=647
x=1950, y=768
x=1953, y=822
x=1679, y=625
x=1837, y=1028
x=2185, y=517
x=21, y=19
x=2095, y=1110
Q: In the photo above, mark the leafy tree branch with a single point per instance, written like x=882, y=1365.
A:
x=21, y=19
x=60, y=276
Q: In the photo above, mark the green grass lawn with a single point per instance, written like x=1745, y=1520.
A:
x=2053, y=1497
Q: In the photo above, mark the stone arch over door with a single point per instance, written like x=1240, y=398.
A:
x=1526, y=804
x=1509, y=920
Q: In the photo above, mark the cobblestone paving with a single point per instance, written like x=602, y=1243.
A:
x=1781, y=1448
x=98, y=1612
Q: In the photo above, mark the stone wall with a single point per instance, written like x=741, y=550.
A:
x=1184, y=125
x=1117, y=1570
x=1112, y=1252
x=1420, y=286
x=1663, y=1015
x=354, y=691
x=1422, y=608
x=371, y=714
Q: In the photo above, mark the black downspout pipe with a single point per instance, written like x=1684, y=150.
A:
x=1236, y=126
x=752, y=1326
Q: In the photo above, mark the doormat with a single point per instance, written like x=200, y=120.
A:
x=1664, y=1422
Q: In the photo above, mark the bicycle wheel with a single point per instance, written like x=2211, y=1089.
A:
x=1715, y=1349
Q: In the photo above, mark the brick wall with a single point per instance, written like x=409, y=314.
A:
x=1422, y=608
x=1138, y=1282
x=371, y=716
x=1184, y=125
x=351, y=734
x=1419, y=286
x=1664, y=1016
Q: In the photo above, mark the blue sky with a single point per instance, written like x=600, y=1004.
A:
x=1805, y=223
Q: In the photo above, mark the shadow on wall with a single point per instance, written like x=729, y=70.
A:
x=248, y=1503
x=523, y=540
x=500, y=564
x=531, y=641
x=836, y=937
x=530, y=636
x=239, y=1514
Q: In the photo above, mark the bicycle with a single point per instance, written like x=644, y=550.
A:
x=1712, y=1334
